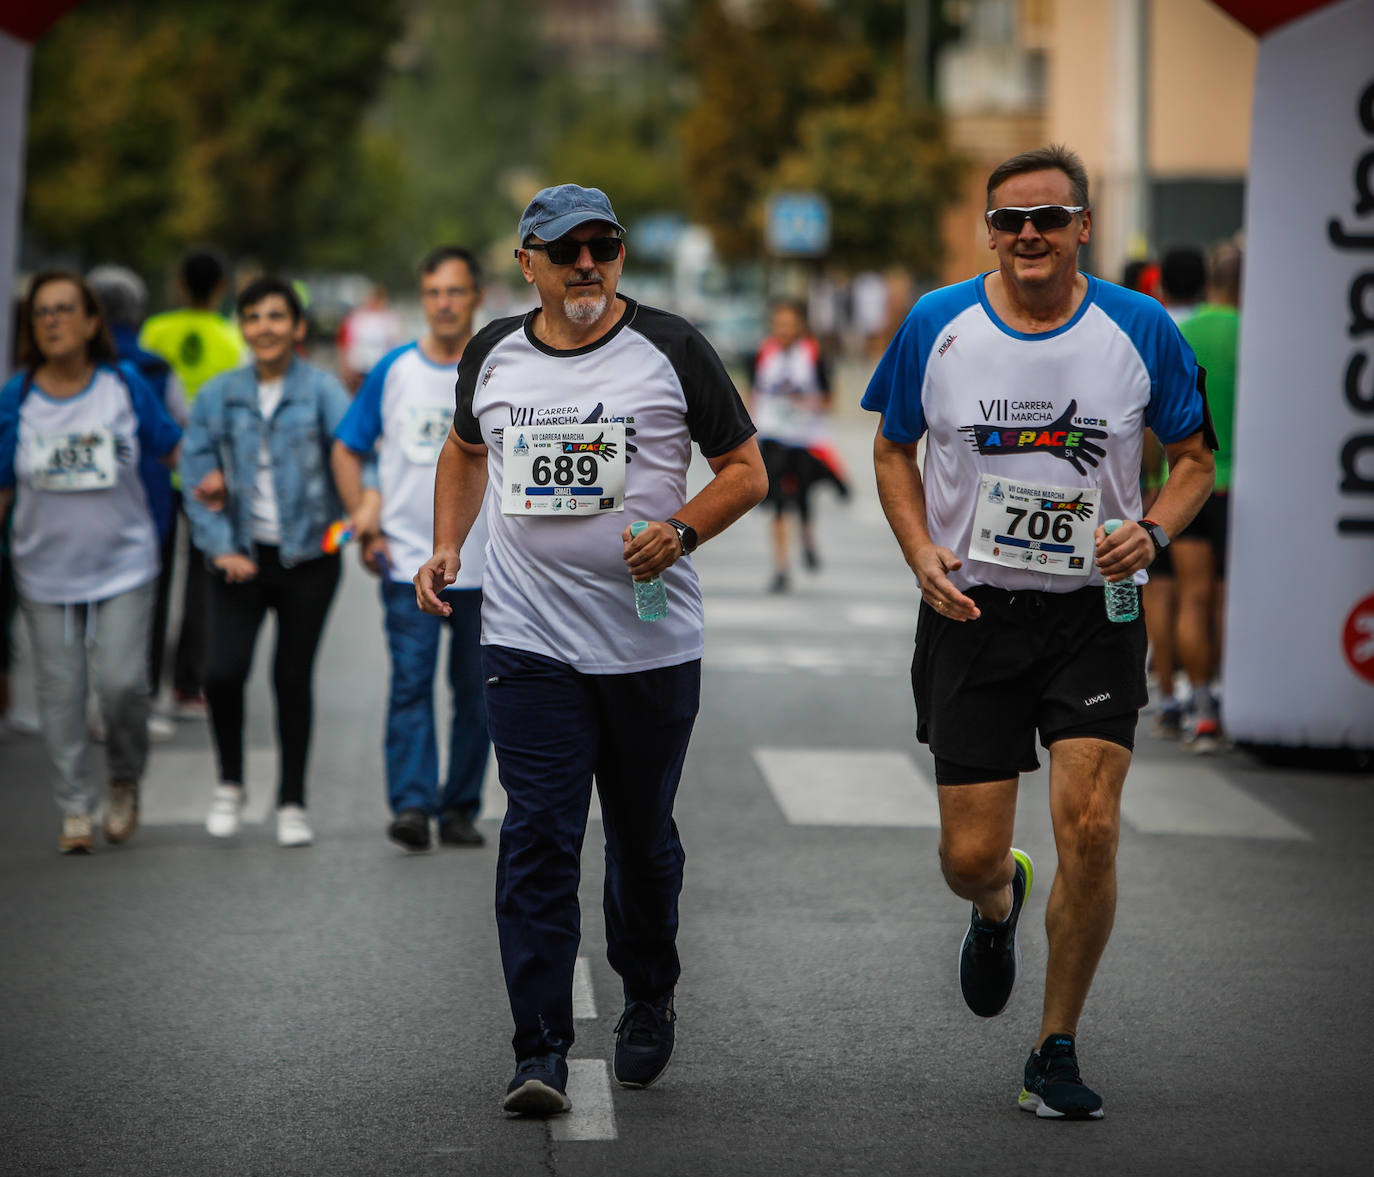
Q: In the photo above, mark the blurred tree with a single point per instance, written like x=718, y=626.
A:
x=159, y=123
x=797, y=94
x=888, y=173
x=757, y=74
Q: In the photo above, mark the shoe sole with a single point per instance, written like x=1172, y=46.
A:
x=222, y=830
x=82, y=846
x=407, y=843
x=533, y=1098
x=1024, y=859
x=115, y=836
x=1030, y=1102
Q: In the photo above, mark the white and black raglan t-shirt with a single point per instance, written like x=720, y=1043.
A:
x=1064, y=409
x=558, y=586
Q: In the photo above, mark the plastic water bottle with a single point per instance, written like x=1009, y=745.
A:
x=1123, y=598
x=651, y=597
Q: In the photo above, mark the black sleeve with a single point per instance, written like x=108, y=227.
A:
x=823, y=375
x=716, y=416
x=470, y=369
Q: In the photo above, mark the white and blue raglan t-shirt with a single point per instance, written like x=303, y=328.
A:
x=406, y=404
x=82, y=530
x=1064, y=409
x=558, y=586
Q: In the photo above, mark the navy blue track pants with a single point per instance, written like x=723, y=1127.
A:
x=553, y=729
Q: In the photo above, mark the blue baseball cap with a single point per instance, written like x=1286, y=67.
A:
x=560, y=209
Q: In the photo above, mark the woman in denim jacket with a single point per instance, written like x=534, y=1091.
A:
x=257, y=453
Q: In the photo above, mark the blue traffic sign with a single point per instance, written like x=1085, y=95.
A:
x=798, y=224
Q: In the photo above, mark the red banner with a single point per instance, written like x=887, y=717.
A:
x=30, y=19
x=1261, y=16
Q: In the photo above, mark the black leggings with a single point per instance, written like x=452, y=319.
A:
x=300, y=595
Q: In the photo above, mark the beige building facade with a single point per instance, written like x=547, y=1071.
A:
x=1155, y=95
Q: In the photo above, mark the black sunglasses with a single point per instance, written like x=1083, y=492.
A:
x=1043, y=216
x=566, y=250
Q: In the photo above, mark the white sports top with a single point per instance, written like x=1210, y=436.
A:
x=1064, y=409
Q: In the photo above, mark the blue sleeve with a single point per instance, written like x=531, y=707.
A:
x=1176, y=407
x=362, y=423
x=211, y=531
x=9, y=429
x=158, y=434
x=895, y=389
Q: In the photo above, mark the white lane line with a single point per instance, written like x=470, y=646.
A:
x=849, y=660
x=1191, y=798
x=178, y=782
x=593, y=1115
x=855, y=787
x=584, y=1001
x=494, y=796
x=769, y=613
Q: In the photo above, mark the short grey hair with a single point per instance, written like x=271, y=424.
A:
x=121, y=292
x=1040, y=160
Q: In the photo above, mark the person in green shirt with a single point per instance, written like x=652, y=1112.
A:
x=1199, y=551
x=198, y=342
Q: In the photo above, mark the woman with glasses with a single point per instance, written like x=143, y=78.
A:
x=74, y=426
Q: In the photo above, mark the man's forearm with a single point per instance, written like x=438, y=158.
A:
x=902, y=495
x=460, y=480
x=348, y=475
x=739, y=485
x=1192, y=474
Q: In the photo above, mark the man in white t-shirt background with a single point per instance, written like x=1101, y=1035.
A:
x=404, y=409
x=577, y=420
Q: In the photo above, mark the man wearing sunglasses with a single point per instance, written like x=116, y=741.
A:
x=580, y=416
x=1032, y=386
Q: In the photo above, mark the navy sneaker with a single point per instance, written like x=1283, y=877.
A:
x=1054, y=1089
x=644, y=1042
x=540, y=1087
x=990, y=958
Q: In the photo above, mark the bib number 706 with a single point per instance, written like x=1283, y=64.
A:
x=1040, y=524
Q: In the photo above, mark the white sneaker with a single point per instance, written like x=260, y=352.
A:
x=225, y=807
x=292, y=828
x=160, y=728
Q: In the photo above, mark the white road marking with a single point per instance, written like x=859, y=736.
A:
x=774, y=658
x=178, y=782
x=762, y=613
x=1191, y=798
x=584, y=1001
x=848, y=787
x=593, y=1115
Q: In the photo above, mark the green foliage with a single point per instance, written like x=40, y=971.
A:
x=887, y=172
x=159, y=123
x=796, y=94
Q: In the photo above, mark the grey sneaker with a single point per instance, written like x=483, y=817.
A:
x=121, y=811
x=76, y=836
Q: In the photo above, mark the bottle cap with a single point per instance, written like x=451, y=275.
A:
x=639, y=525
x=1111, y=525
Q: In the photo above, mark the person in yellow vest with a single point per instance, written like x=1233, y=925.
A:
x=198, y=342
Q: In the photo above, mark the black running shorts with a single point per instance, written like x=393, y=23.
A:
x=1209, y=524
x=1050, y=662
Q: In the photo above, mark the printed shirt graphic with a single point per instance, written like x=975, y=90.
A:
x=198, y=345
x=1064, y=409
x=71, y=548
x=789, y=393
x=406, y=403
x=559, y=586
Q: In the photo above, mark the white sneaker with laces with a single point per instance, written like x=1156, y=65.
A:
x=292, y=828
x=225, y=807
x=160, y=728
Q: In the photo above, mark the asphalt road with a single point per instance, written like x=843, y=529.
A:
x=179, y=1005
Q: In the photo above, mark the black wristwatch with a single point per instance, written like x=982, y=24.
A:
x=687, y=536
x=1158, y=536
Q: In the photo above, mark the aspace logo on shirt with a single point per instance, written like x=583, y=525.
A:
x=1061, y=438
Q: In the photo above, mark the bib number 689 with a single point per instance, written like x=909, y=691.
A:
x=561, y=470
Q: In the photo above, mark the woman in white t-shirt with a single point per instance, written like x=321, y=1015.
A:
x=73, y=427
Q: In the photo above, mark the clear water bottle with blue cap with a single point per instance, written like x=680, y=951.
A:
x=651, y=596
x=1123, y=598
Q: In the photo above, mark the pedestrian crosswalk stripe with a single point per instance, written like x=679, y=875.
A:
x=178, y=782
x=1169, y=798
x=848, y=787
x=592, y=1116
x=583, y=1000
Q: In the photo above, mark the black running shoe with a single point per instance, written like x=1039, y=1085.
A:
x=410, y=828
x=540, y=1087
x=1054, y=1089
x=990, y=958
x=456, y=829
x=644, y=1042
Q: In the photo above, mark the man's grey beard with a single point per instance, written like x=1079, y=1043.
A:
x=585, y=310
